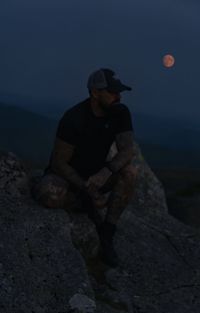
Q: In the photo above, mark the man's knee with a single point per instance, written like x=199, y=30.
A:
x=51, y=191
x=128, y=173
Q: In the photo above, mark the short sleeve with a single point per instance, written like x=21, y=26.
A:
x=66, y=130
x=124, y=119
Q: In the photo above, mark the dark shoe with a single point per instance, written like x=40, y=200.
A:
x=108, y=254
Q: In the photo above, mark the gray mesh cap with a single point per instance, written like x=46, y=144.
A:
x=104, y=79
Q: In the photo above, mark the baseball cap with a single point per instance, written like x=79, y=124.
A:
x=104, y=79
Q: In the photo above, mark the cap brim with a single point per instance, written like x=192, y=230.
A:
x=119, y=88
x=126, y=88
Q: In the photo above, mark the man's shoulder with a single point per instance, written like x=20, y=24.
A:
x=122, y=106
x=122, y=115
x=119, y=109
x=72, y=122
x=76, y=110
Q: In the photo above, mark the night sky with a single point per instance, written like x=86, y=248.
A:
x=48, y=49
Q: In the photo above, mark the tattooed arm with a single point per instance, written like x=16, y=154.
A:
x=61, y=155
x=125, y=145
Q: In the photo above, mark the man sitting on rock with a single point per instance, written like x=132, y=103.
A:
x=79, y=162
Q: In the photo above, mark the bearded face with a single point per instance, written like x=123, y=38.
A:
x=107, y=99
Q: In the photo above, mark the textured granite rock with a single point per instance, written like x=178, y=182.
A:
x=14, y=179
x=40, y=269
x=44, y=254
x=159, y=256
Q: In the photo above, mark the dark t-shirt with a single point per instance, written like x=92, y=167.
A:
x=92, y=136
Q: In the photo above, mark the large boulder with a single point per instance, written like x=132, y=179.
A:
x=44, y=253
x=40, y=269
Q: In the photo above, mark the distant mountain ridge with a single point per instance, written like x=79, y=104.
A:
x=31, y=136
x=54, y=108
x=171, y=133
x=27, y=134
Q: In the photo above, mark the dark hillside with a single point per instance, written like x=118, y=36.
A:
x=27, y=134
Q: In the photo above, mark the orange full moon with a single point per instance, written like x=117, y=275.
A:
x=168, y=60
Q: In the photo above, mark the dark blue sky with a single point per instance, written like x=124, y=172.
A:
x=48, y=49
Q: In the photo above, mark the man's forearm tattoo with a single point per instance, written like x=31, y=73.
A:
x=62, y=153
x=70, y=174
x=126, y=151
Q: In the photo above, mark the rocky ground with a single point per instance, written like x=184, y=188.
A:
x=49, y=261
x=182, y=189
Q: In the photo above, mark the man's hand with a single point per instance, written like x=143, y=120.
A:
x=99, y=200
x=95, y=182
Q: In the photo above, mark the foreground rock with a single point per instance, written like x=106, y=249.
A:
x=40, y=270
x=44, y=254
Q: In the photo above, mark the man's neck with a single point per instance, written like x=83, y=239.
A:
x=96, y=108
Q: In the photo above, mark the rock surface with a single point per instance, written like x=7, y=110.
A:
x=44, y=254
x=40, y=269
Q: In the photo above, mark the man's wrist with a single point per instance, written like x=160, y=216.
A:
x=109, y=167
x=83, y=187
x=108, y=170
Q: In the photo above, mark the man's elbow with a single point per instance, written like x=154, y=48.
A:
x=57, y=166
x=131, y=153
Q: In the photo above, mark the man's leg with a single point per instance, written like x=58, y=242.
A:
x=92, y=212
x=122, y=188
x=54, y=192
x=121, y=193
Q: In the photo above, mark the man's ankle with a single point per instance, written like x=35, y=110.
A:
x=106, y=231
x=110, y=226
x=106, y=235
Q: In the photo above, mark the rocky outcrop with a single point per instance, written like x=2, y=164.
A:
x=45, y=255
x=40, y=269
